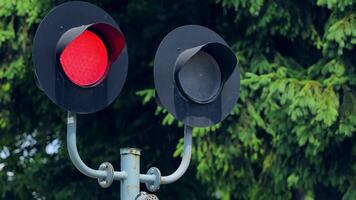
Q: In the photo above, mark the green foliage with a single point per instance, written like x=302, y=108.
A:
x=336, y=4
x=340, y=35
x=292, y=134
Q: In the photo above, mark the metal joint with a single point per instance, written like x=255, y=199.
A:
x=109, y=169
x=153, y=186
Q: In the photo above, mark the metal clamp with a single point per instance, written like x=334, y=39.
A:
x=107, y=181
x=153, y=186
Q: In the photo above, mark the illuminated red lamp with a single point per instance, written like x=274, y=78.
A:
x=85, y=59
x=85, y=53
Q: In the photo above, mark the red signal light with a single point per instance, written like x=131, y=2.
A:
x=85, y=59
x=81, y=64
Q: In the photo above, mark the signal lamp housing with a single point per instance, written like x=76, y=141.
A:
x=196, y=76
x=80, y=57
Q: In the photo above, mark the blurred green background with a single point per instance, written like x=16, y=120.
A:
x=291, y=135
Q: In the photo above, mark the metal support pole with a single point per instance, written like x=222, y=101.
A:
x=130, y=163
x=130, y=176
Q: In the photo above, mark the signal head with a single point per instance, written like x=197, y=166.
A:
x=80, y=57
x=196, y=76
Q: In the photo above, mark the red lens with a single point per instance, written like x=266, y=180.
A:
x=85, y=59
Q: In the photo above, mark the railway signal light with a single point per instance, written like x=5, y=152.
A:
x=196, y=76
x=80, y=57
x=81, y=63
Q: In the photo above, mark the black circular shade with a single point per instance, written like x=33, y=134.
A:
x=58, y=29
x=196, y=76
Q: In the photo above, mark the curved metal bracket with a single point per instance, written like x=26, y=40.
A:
x=106, y=174
x=75, y=158
x=151, y=179
x=187, y=154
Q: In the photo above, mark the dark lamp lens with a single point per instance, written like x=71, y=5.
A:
x=200, y=78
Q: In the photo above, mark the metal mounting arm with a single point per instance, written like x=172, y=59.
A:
x=187, y=154
x=153, y=178
x=77, y=161
x=106, y=174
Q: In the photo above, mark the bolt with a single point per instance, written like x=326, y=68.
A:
x=152, y=187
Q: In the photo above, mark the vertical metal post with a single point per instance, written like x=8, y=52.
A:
x=130, y=163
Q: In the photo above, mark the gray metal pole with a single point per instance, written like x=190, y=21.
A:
x=130, y=163
x=130, y=176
